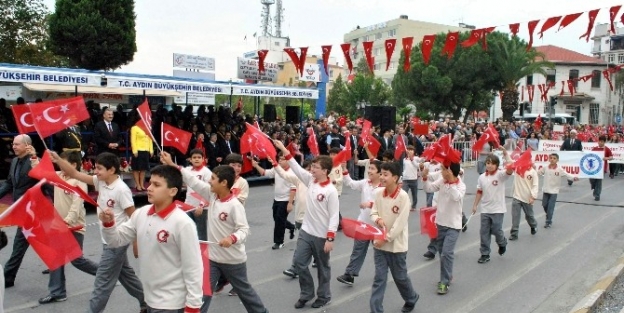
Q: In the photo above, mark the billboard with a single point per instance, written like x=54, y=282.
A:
x=248, y=69
x=193, y=62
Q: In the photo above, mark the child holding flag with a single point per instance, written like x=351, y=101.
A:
x=552, y=182
x=199, y=215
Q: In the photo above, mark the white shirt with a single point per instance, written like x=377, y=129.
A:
x=411, y=168
x=492, y=188
x=204, y=174
x=282, y=186
x=300, y=196
x=367, y=195
x=450, y=201
x=552, y=178
x=116, y=196
x=526, y=187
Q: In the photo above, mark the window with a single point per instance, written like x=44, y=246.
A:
x=551, y=75
x=376, y=51
x=529, y=80
x=595, y=81
x=392, y=65
x=594, y=113
x=331, y=73
x=378, y=36
x=365, y=38
x=376, y=67
x=277, y=43
x=620, y=58
x=611, y=58
x=392, y=33
x=574, y=74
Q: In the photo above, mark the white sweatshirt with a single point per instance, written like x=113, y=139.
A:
x=367, y=196
x=450, y=201
x=552, y=178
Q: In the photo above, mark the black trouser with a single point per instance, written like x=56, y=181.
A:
x=20, y=246
x=280, y=216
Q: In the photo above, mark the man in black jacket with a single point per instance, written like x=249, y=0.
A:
x=572, y=144
x=106, y=134
x=17, y=183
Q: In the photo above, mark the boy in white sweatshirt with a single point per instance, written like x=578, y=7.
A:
x=411, y=168
x=552, y=182
x=199, y=215
x=526, y=187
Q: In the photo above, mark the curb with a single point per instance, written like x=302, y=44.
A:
x=597, y=292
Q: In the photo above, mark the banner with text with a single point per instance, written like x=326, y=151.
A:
x=555, y=145
x=248, y=69
x=269, y=91
x=195, y=62
x=173, y=85
x=311, y=73
x=17, y=75
x=582, y=164
x=195, y=98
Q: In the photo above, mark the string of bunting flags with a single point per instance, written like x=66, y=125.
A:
x=451, y=42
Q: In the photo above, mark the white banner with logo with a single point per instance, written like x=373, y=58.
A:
x=194, y=62
x=270, y=91
x=248, y=69
x=195, y=98
x=20, y=75
x=173, y=85
x=581, y=164
x=311, y=73
x=555, y=145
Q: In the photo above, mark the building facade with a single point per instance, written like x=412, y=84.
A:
x=288, y=75
x=593, y=102
x=607, y=46
x=396, y=28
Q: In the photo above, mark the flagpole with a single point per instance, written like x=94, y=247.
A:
x=162, y=134
x=208, y=242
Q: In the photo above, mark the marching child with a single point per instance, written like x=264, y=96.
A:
x=367, y=189
x=199, y=215
x=71, y=208
x=491, y=192
x=171, y=263
x=320, y=223
x=526, y=187
x=451, y=191
x=227, y=226
x=411, y=168
x=596, y=184
x=552, y=182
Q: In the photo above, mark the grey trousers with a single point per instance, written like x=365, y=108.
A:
x=358, y=255
x=447, y=238
x=309, y=246
x=516, y=207
x=412, y=187
x=236, y=274
x=596, y=186
x=114, y=266
x=548, y=202
x=491, y=224
x=151, y=310
x=56, y=283
x=429, y=199
x=396, y=262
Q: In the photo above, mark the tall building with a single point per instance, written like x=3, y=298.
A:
x=396, y=28
x=608, y=46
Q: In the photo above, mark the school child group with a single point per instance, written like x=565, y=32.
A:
x=160, y=231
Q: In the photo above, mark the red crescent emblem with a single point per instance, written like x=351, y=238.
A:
x=495, y=183
x=223, y=216
x=395, y=209
x=110, y=203
x=320, y=197
x=162, y=236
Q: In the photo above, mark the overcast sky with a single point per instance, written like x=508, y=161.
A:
x=217, y=28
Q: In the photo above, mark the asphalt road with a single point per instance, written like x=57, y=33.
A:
x=548, y=272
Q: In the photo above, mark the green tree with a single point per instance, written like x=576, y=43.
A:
x=23, y=34
x=455, y=86
x=94, y=34
x=335, y=98
x=512, y=62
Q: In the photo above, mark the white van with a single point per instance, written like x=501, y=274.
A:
x=558, y=118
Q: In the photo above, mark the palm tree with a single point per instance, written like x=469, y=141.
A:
x=512, y=62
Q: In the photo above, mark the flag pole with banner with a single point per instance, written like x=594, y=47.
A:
x=145, y=124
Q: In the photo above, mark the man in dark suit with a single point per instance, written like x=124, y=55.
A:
x=353, y=141
x=386, y=143
x=17, y=183
x=213, y=152
x=228, y=145
x=106, y=133
x=572, y=144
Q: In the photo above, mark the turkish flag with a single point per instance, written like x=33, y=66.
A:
x=292, y=148
x=175, y=137
x=361, y=231
x=303, y=51
x=312, y=142
x=514, y=28
x=247, y=165
x=183, y=206
x=523, y=163
x=475, y=36
x=613, y=11
x=346, y=51
x=538, y=121
x=23, y=118
x=450, y=44
x=532, y=25
x=427, y=46
x=590, y=25
x=256, y=142
x=428, y=222
x=326, y=52
x=345, y=154
x=373, y=144
x=368, y=54
x=51, y=117
x=390, y=44
x=145, y=123
x=421, y=129
x=550, y=22
x=206, y=288
x=261, y=56
x=298, y=60
x=517, y=152
x=571, y=87
x=366, y=127
x=43, y=227
x=407, y=50
x=531, y=92
x=45, y=170
x=489, y=135
x=568, y=19
x=400, y=147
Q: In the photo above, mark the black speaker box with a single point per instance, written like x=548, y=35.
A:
x=382, y=116
x=292, y=114
x=269, y=113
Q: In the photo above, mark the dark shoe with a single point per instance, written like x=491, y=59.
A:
x=46, y=271
x=346, y=279
x=502, y=250
x=484, y=259
x=314, y=264
x=442, y=289
x=220, y=286
x=597, y=198
x=318, y=303
x=9, y=284
x=292, y=233
x=611, y=176
x=569, y=183
x=513, y=237
x=233, y=293
x=547, y=225
x=533, y=230
x=429, y=255
x=277, y=246
x=409, y=307
x=51, y=299
x=290, y=273
x=464, y=228
x=300, y=304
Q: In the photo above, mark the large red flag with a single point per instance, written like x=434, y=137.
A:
x=346, y=51
x=207, y=289
x=373, y=144
x=23, y=119
x=51, y=117
x=146, y=117
x=345, y=154
x=361, y=231
x=366, y=127
x=45, y=170
x=400, y=147
x=175, y=137
x=43, y=227
x=428, y=222
x=523, y=163
x=390, y=44
x=256, y=142
x=312, y=142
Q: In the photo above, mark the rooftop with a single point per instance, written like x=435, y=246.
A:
x=561, y=55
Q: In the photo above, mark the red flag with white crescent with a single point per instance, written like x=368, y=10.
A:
x=53, y=116
x=427, y=46
x=23, y=118
x=407, y=50
x=390, y=44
